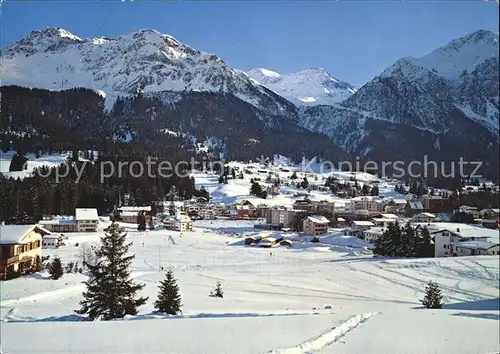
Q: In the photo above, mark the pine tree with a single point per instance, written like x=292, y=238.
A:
x=169, y=299
x=425, y=247
x=110, y=291
x=217, y=292
x=433, y=298
x=56, y=269
x=294, y=175
x=256, y=189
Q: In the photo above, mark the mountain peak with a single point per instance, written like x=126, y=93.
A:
x=53, y=33
x=460, y=54
x=309, y=86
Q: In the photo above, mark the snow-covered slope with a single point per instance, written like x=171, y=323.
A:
x=146, y=61
x=461, y=54
x=307, y=87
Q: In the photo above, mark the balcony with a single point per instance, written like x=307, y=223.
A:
x=7, y=261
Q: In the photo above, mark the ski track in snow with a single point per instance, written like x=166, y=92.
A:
x=327, y=338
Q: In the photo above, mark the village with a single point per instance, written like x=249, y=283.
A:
x=297, y=208
x=285, y=247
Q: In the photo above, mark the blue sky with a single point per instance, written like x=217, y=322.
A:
x=353, y=40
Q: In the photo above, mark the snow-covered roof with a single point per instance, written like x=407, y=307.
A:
x=363, y=223
x=58, y=221
x=135, y=208
x=462, y=230
x=483, y=245
x=86, y=214
x=389, y=216
x=384, y=220
x=318, y=219
x=12, y=234
x=428, y=215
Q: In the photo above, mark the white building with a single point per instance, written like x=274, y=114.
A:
x=52, y=240
x=181, y=222
x=315, y=225
x=86, y=219
x=373, y=234
x=369, y=203
x=447, y=236
x=475, y=248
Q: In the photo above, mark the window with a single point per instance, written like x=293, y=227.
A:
x=444, y=246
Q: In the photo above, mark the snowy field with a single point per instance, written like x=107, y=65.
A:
x=272, y=304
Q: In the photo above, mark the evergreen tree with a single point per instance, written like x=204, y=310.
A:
x=365, y=190
x=294, y=175
x=169, y=299
x=304, y=184
x=256, y=189
x=433, y=298
x=233, y=173
x=241, y=175
x=221, y=179
x=56, y=269
x=374, y=191
x=425, y=247
x=217, y=292
x=111, y=293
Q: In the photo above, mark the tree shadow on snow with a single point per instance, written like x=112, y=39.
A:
x=488, y=316
x=478, y=305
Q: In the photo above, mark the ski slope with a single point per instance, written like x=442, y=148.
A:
x=320, y=298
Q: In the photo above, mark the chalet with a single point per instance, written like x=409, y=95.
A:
x=315, y=225
x=20, y=248
x=490, y=213
x=423, y=217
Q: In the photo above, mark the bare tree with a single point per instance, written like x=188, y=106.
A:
x=87, y=256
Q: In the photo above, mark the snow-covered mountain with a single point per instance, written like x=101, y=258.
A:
x=445, y=103
x=162, y=84
x=461, y=54
x=307, y=87
x=146, y=61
